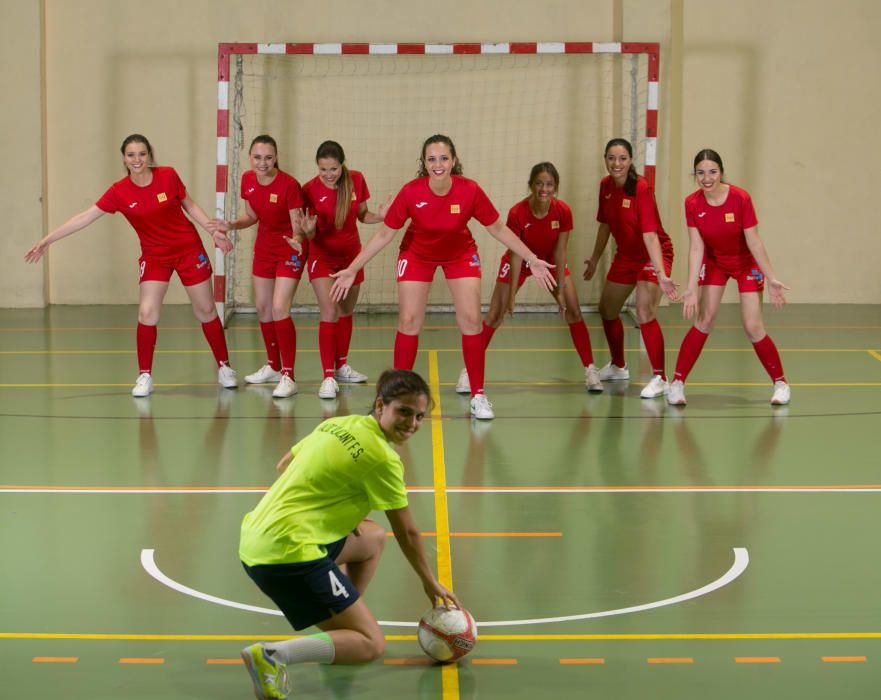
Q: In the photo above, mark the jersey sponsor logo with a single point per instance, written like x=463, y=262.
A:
x=625, y=204
x=273, y=198
x=250, y=190
x=421, y=204
x=527, y=225
x=347, y=440
x=294, y=262
x=555, y=224
x=454, y=209
x=162, y=197
x=702, y=215
x=608, y=196
x=202, y=261
x=323, y=198
x=729, y=217
x=132, y=205
x=755, y=275
x=475, y=260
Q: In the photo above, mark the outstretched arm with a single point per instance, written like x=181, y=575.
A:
x=540, y=269
x=344, y=279
x=757, y=248
x=410, y=541
x=198, y=215
x=656, y=255
x=365, y=216
x=695, y=260
x=72, y=225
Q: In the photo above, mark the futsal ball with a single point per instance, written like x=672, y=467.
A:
x=447, y=634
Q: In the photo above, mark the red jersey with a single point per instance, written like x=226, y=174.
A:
x=331, y=242
x=629, y=217
x=438, y=230
x=272, y=204
x=721, y=227
x=155, y=212
x=540, y=235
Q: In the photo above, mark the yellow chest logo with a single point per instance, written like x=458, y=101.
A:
x=273, y=198
x=555, y=224
x=454, y=209
x=625, y=204
x=729, y=217
x=161, y=197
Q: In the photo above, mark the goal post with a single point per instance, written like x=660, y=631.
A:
x=506, y=106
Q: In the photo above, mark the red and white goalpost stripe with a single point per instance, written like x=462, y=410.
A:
x=226, y=51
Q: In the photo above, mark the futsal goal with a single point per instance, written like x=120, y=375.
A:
x=506, y=107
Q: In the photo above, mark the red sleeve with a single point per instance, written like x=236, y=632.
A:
x=397, y=214
x=294, y=195
x=177, y=185
x=565, y=217
x=108, y=201
x=362, y=193
x=646, y=208
x=748, y=215
x=601, y=215
x=513, y=221
x=689, y=212
x=484, y=211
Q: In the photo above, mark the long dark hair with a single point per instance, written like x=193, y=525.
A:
x=439, y=138
x=538, y=169
x=632, y=175
x=331, y=149
x=269, y=141
x=394, y=383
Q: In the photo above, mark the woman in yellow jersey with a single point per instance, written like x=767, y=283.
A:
x=309, y=546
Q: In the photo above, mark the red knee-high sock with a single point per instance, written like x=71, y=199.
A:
x=343, y=339
x=581, y=340
x=770, y=358
x=269, y=340
x=487, y=334
x=213, y=331
x=614, y=331
x=328, y=337
x=689, y=351
x=653, y=337
x=406, y=347
x=474, y=353
x=286, y=334
x=146, y=342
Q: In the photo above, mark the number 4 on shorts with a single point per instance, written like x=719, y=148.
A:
x=337, y=588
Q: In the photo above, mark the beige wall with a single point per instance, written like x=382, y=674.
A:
x=784, y=89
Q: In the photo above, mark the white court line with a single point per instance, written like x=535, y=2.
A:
x=741, y=561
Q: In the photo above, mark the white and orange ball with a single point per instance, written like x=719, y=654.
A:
x=447, y=634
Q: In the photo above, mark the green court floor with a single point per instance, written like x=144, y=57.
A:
x=608, y=546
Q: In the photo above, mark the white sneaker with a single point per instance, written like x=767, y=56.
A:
x=781, y=394
x=226, y=377
x=286, y=387
x=328, y=389
x=463, y=386
x=613, y=372
x=676, y=393
x=143, y=385
x=592, y=379
x=481, y=408
x=349, y=375
x=655, y=388
x=264, y=375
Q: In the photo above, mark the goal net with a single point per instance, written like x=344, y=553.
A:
x=505, y=106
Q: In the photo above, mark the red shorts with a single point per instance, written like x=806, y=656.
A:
x=505, y=272
x=749, y=278
x=323, y=267
x=412, y=268
x=626, y=271
x=192, y=268
x=270, y=265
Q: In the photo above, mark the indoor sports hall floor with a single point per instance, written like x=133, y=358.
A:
x=610, y=547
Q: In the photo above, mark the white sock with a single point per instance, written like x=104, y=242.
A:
x=316, y=647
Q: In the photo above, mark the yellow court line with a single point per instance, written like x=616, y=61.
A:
x=875, y=354
x=450, y=672
x=485, y=637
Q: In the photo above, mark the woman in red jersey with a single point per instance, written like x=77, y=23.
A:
x=336, y=198
x=724, y=243
x=273, y=201
x=643, y=260
x=439, y=203
x=153, y=200
x=543, y=222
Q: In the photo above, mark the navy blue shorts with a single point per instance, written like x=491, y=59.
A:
x=309, y=592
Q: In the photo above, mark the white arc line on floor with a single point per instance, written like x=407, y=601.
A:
x=741, y=561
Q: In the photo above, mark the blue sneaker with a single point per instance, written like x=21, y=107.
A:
x=270, y=678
